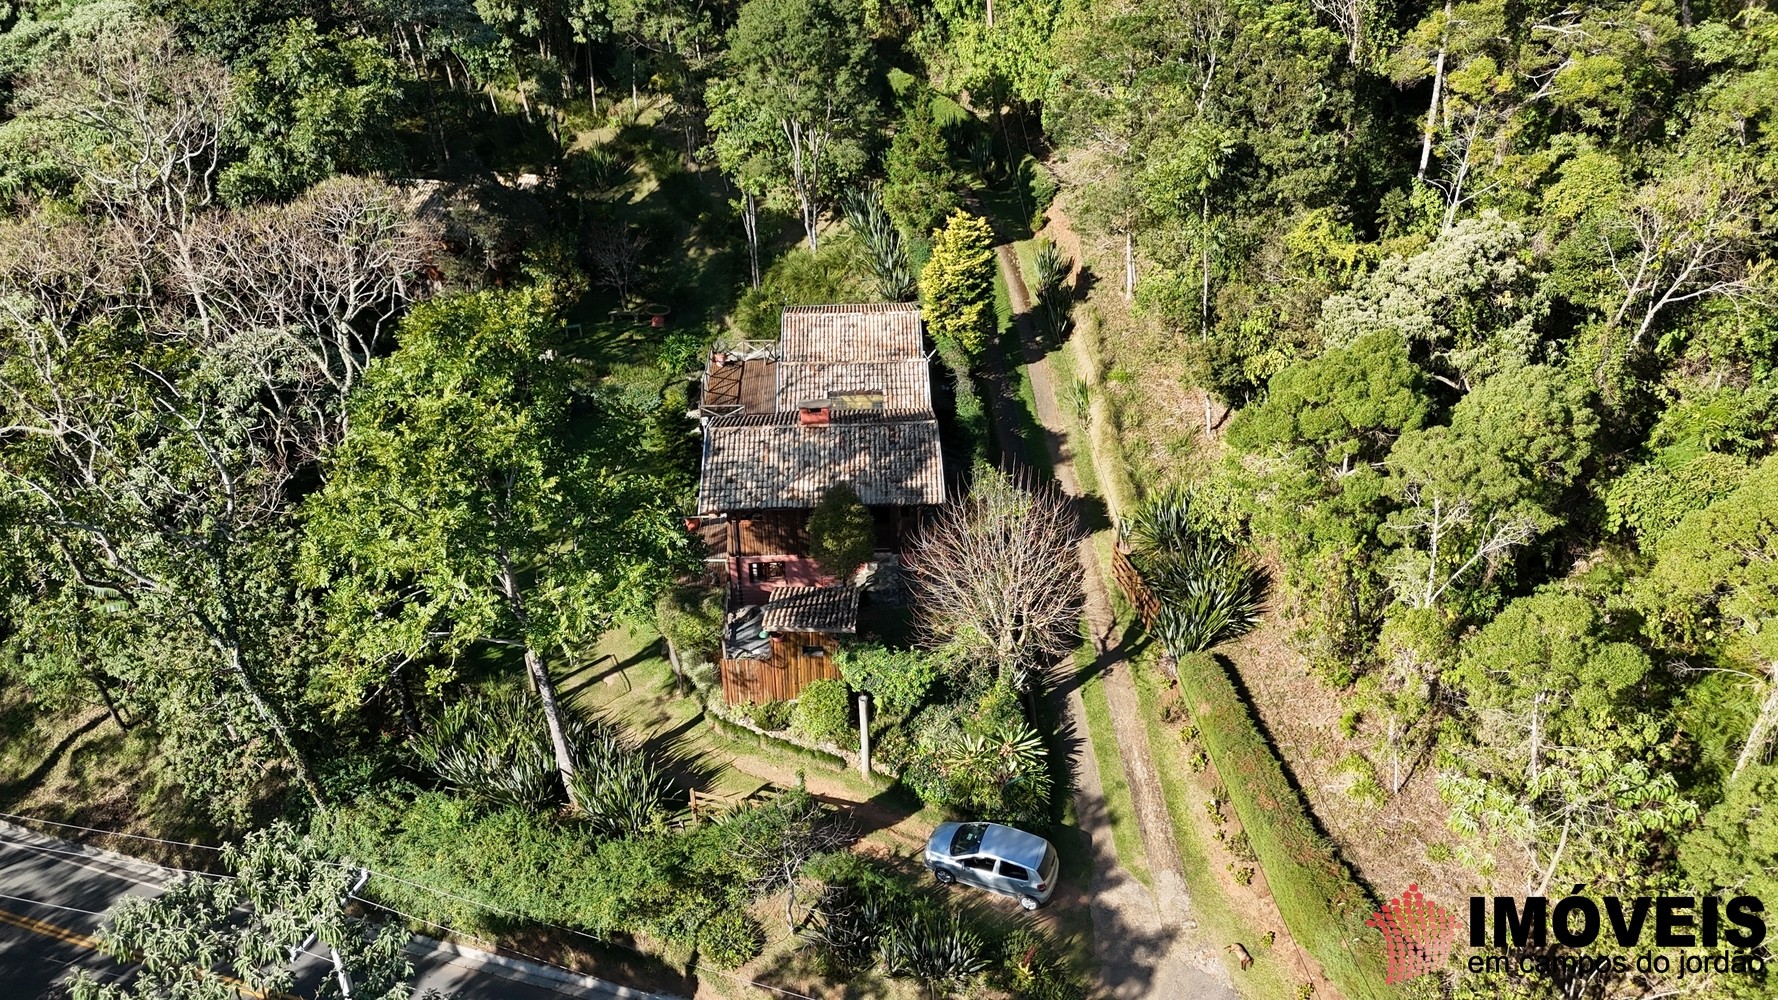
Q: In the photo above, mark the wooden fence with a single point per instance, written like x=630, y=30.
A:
x=1129, y=580
x=793, y=664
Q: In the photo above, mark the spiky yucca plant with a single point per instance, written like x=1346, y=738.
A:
x=1208, y=591
x=620, y=791
x=491, y=747
x=933, y=947
x=889, y=263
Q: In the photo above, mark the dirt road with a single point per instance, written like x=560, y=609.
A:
x=1146, y=941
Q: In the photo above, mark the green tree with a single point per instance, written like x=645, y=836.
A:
x=957, y=283
x=1470, y=299
x=284, y=894
x=924, y=186
x=1347, y=405
x=897, y=679
x=1473, y=491
x=310, y=105
x=1714, y=586
x=797, y=88
x=1735, y=848
x=1568, y=763
x=842, y=535
x=471, y=504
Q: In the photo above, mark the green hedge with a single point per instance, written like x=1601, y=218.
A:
x=742, y=734
x=1322, y=905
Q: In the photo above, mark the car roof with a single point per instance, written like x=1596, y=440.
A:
x=1017, y=846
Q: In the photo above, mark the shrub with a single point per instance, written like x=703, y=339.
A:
x=986, y=762
x=823, y=713
x=730, y=939
x=671, y=887
x=801, y=278
x=1323, y=907
x=898, y=679
x=690, y=618
x=957, y=283
x=772, y=716
x=842, y=536
x=1039, y=186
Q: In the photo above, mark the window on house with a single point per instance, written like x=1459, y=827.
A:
x=814, y=650
x=759, y=571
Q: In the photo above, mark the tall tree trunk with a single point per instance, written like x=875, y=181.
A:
x=304, y=775
x=592, y=78
x=750, y=222
x=552, y=715
x=1438, y=85
x=109, y=701
x=1129, y=265
x=539, y=676
x=1204, y=294
x=404, y=699
x=1761, y=733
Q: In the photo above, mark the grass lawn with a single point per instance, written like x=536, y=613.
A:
x=626, y=678
x=1023, y=401
x=1114, y=781
x=1273, y=975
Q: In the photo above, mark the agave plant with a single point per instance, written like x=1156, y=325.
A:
x=934, y=948
x=845, y=924
x=491, y=747
x=1003, y=775
x=620, y=791
x=889, y=264
x=1052, y=271
x=1208, y=591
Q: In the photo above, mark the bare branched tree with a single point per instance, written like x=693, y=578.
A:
x=1434, y=524
x=1682, y=239
x=331, y=269
x=780, y=841
x=617, y=252
x=998, y=578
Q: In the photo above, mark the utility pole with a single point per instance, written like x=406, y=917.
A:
x=339, y=965
x=864, y=735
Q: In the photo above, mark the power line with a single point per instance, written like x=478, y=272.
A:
x=481, y=904
x=53, y=906
x=109, y=873
x=109, y=833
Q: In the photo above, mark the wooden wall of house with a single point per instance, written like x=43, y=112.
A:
x=785, y=674
x=775, y=533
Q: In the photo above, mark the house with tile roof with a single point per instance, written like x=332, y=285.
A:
x=843, y=396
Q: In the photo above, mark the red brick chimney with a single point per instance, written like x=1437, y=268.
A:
x=811, y=415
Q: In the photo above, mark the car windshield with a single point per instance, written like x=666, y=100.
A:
x=968, y=839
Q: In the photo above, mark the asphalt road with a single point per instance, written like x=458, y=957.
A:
x=53, y=900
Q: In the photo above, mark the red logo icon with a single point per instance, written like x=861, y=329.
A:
x=1418, y=935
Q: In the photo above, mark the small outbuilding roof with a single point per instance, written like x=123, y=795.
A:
x=765, y=461
x=812, y=609
x=875, y=331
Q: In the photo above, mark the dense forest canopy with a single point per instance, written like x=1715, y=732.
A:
x=321, y=417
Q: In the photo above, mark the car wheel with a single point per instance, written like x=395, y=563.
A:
x=944, y=877
x=1028, y=902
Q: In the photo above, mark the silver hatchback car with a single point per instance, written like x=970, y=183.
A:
x=994, y=857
